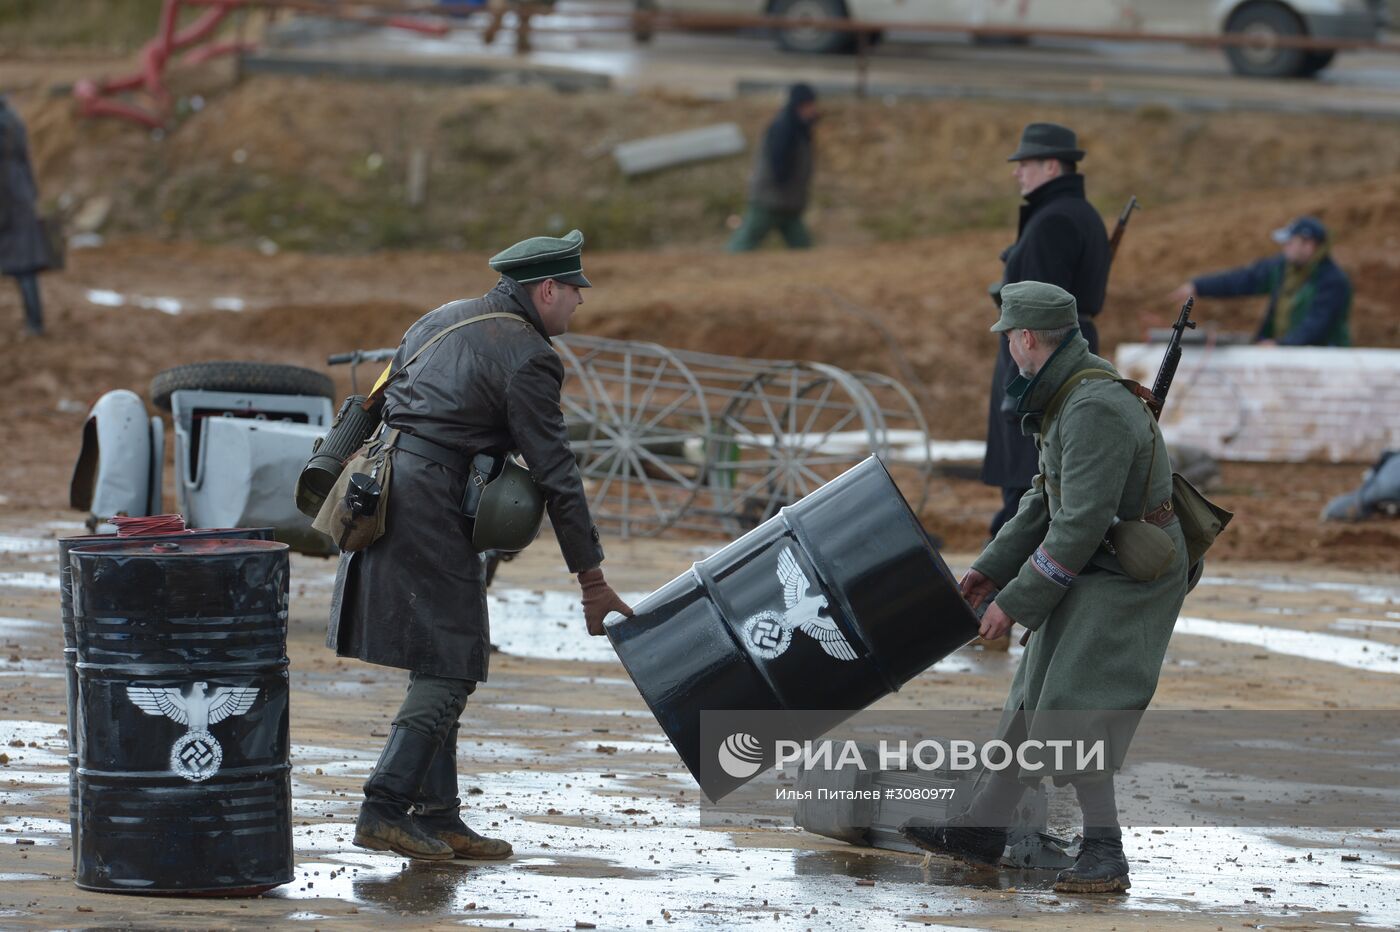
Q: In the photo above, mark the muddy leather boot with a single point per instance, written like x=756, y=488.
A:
x=438, y=811
x=385, y=823
x=978, y=845
x=1101, y=866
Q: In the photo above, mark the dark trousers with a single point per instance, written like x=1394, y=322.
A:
x=433, y=704
x=760, y=221
x=1010, y=502
x=424, y=734
x=33, y=305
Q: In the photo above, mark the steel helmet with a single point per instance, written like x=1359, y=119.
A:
x=510, y=511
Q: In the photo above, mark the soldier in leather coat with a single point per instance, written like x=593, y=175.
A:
x=416, y=598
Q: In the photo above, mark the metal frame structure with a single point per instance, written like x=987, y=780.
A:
x=676, y=440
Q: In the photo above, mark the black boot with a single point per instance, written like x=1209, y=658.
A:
x=33, y=304
x=438, y=812
x=976, y=844
x=385, y=823
x=1101, y=866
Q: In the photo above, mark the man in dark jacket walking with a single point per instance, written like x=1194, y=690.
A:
x=782, y=176
x=1309, y=294
x=416, y=598
x=1062, y=241
x=24, y=252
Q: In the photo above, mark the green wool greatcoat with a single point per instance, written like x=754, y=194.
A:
x=1098, y=636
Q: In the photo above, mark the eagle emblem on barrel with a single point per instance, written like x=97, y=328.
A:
x=196, y=755
x=769, y=633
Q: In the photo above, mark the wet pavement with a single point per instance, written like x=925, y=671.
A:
x=560, y=757
x=1122, y=74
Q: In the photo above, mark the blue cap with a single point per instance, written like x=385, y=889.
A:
x=1308, y=227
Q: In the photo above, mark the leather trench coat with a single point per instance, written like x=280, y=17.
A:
x=416, y=598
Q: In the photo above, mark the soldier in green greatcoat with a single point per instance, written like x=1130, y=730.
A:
x=1099, y=616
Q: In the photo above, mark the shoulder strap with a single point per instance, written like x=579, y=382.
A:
x=1058, y=401
x=385, y=380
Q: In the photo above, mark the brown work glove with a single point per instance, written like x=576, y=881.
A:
x=599, y=599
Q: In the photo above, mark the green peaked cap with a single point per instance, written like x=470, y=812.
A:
x=541, y=257
x=1035, y=306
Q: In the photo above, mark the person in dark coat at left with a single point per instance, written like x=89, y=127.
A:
x=24, y=251
x=416, y=597
x=1062, y=241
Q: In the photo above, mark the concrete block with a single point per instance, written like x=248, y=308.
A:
x=693, y=145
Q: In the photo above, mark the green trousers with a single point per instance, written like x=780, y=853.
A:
x=759, y=221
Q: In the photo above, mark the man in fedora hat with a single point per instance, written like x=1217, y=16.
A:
x=416, y=597
x=1100, y=617
x=1061, y=240
x=1309, y=294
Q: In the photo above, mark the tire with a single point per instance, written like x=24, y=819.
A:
x=1267, y=21
x=813, y=40
x=1314, y=62
x=258, y=377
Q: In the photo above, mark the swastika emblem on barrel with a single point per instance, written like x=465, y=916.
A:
x=196, y=755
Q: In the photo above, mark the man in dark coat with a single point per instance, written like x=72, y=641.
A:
x=1062, y=241
x=782, y=176
x=24, y=252
x=1309, y=294
x=416, y=598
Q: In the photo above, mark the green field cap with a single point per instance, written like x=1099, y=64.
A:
x=1035, y=306
x=541, y=257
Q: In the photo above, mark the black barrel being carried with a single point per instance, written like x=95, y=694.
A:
x=838, y=600
x=183, y=760
x=70, y=641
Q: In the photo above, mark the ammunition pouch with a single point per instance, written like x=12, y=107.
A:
x=1201, y=519
x=352, y=426
x=356, y=509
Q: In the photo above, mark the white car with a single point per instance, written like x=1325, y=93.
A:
x=1264, y=19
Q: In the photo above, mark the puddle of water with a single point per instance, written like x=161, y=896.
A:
x=11, y=544
x=29, y=580
x=1364, y=624
x=13, y=626
x=44, y=832
x=1328, y=648
x=44, y=734
x=1372, y=595
x=546, y=625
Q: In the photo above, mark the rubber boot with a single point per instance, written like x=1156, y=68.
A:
x=33, y=305
x=978, y=845
x=1101, y=866
x=385, y=823
x=438, y=812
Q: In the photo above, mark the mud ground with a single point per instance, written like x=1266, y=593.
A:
x=561, y=757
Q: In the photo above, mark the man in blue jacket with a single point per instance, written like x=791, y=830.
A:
x=1309, y=295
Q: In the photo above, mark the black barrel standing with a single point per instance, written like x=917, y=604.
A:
x=70, y=642
x=183, y=756
x=836, y=601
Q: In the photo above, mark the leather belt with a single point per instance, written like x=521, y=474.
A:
x=1162, y=515
x=444, y=456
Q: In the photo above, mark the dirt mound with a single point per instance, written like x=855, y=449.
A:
x=326, y=165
